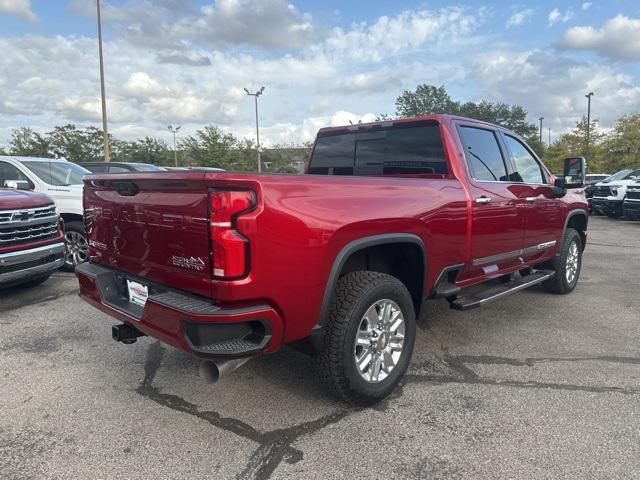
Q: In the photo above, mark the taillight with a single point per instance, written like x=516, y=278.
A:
x=230, y=248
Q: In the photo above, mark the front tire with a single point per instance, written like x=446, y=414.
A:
x=369, y=337
x=567, y=264
x=76, y=246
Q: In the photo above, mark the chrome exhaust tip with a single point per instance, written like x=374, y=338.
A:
x=212, y=372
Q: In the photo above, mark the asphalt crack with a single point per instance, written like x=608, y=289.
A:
x=276, y=446
x=465, y=375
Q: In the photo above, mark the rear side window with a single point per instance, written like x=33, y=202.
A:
x=397, y=151
x=483, y=154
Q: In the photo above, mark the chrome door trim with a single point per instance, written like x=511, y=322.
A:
x=513, y=254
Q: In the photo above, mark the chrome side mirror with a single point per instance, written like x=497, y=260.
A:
x=17, y=184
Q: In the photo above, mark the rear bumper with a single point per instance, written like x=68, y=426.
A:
x=21, y=266
x=606, y=206
x=191, y=323
x=631, y=209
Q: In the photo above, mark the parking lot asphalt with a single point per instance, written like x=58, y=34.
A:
x=532, y=386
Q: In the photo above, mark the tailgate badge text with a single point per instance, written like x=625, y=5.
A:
x=192, y=263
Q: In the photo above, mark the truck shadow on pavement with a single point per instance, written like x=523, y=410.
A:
x=276, y=446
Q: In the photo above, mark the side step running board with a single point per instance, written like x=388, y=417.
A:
x=478, y=299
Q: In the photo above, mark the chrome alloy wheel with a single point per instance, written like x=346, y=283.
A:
x=379, y=341
x=573, y=262
x=77, y=249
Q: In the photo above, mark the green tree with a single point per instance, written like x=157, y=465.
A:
x=76, y=144
x=210, y=147
x=574, y=143
x=29, y=143
x=425, y=100
x=622, y=146
x=285, y=158
x=428, y=99
x=145, y=150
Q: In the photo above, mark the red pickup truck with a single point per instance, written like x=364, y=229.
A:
x=390, y=214
x=31, y=240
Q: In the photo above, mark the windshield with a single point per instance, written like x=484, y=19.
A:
x=59, y=174
x=621, y=175
x=147, y=167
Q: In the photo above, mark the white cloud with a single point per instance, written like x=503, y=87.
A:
x=175, y=25
x=555, y=16
x=518, y=18
x=618, y=38
x=586, y=6
x=554, y=86
x=19, y=8
x=157, y=77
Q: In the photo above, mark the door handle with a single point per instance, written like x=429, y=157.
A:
x=483, y=200
x=531, y=199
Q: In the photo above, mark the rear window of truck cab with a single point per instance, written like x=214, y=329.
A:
x=401, y=150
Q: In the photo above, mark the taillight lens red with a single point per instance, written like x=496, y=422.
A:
x=230, y=248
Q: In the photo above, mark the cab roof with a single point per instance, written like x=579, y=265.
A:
x=440, y=118
x=34, y=159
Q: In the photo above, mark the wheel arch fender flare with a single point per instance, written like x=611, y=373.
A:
x=574, y=214
x=353, y=247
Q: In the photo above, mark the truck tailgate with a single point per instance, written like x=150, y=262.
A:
x=153, y=226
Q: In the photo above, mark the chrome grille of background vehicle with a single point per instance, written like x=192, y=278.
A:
x=601, y=191
x=633, y=194
x=27, y=225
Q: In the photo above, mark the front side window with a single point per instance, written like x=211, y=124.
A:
x=59, y=174
x=528, y=169
x=483, y=154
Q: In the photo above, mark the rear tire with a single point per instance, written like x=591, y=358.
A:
x=567, y=264
x=76, y=246
x=369, y=337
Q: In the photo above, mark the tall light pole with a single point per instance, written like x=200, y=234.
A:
x=549, y=136
x=255, y=96
x=174, y=130
x=541, y=118
x=588, y=95
x=105, y=133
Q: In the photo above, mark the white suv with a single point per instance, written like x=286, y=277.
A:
x=631, y=205
x=62, y=181
x=609, y=194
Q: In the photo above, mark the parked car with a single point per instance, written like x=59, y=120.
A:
x=590, y=181
x=207, y=169
x=62, y=181
x=609, y=194
x=631, y=204
x=31, y=240
x=390, y=214
x=121, y=167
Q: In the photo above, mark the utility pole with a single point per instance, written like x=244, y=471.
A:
x=541, y=118
x=255, y=96
x=588, y=95
x=549, y=136
x=174, y=130
x=105, y=133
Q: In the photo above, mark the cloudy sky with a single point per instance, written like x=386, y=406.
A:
x=322, y=62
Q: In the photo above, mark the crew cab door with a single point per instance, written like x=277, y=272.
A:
x=497, y=217
x=543, y=214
